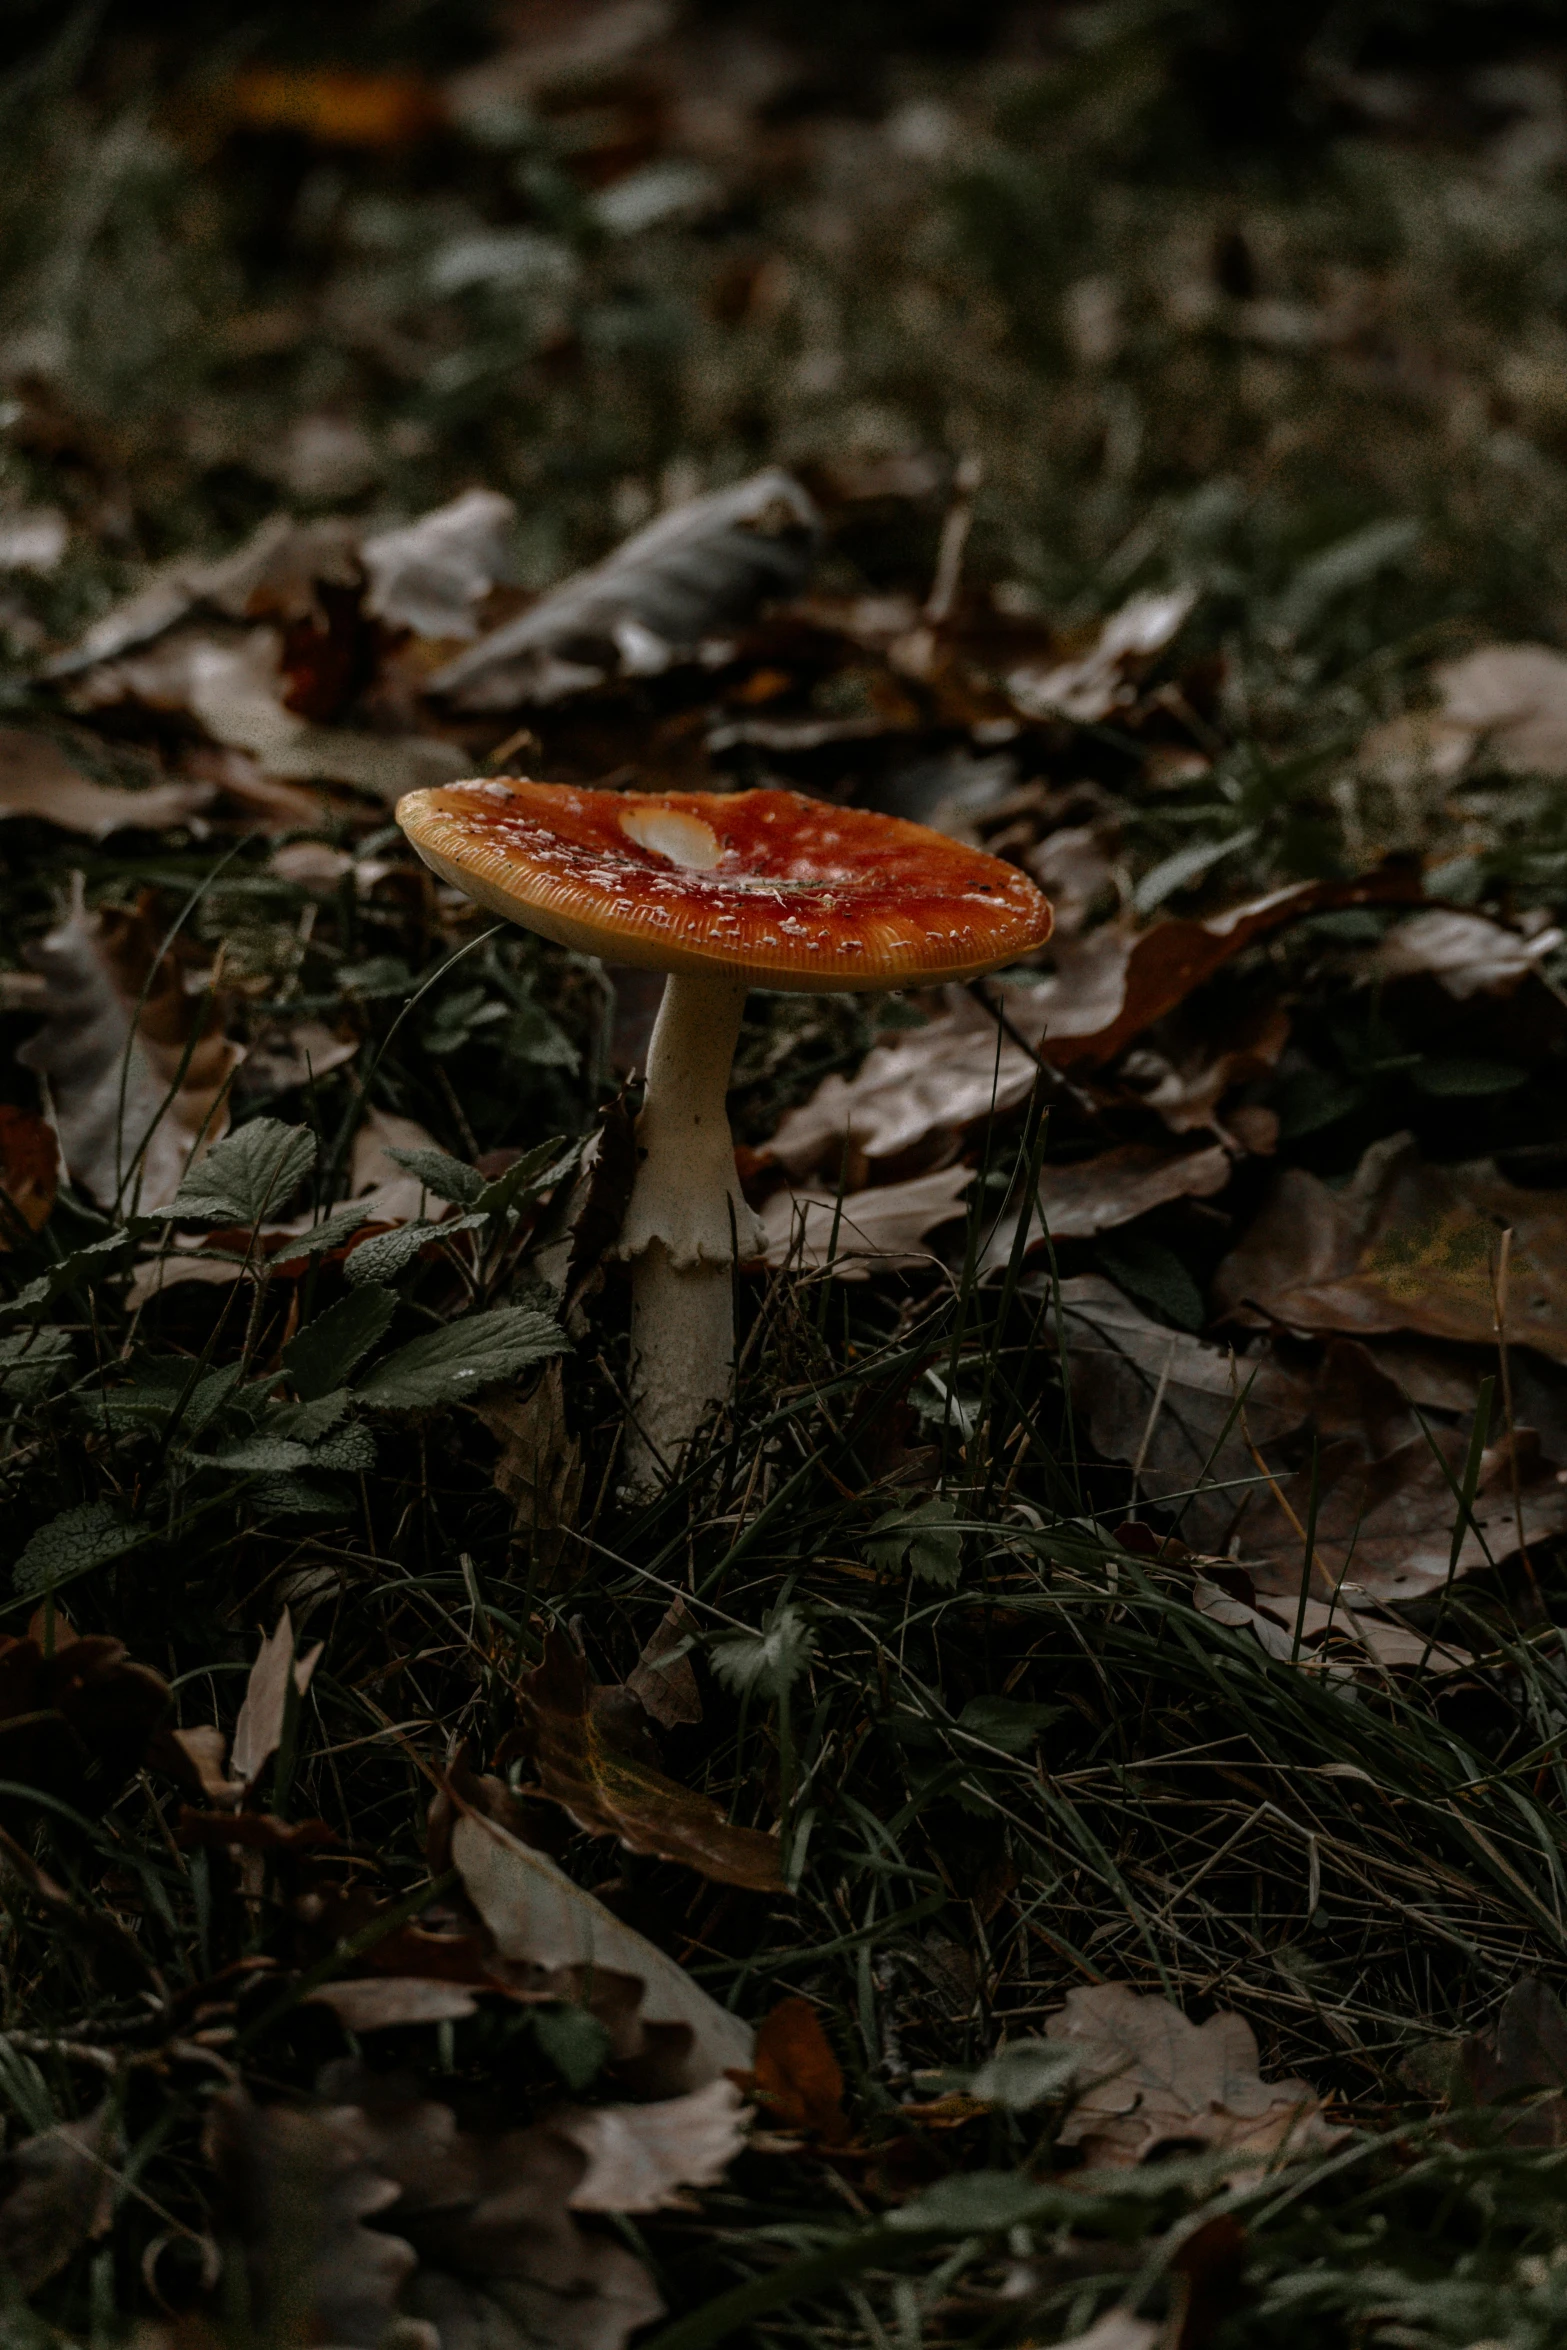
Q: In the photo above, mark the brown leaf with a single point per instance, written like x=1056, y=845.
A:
x=1405, y=1246
x=57, y=2193
x=76, y=1716
x=29, y=1170
x=37, y=779
x=1510, y=698
x=1186, y=1068
x=277, y=573
x=639, y=2156
x=1094, y=1195
x=333, y=105
x=883, y=1229
x=1468, y=954
x=539, y=1918
x=429, y=575
x=539, y=1466
x=1102, y=679
x=795, y=2077
x=260, y=1723
x=1156, y=2079
x=664, y=1684
x=1523, y=2056
x=111, y=1067
x=593, y=1755
x=206, y=1749
x=378, y=2003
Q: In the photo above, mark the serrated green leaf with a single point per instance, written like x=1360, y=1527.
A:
x=448, y=1178
x=535, y=1171
x=926, y=1537
x=308, y=1422
x=325, y=1353
x=249, y=1172
x=73, y=1544
x=350, y=1448
x=532, y=1037
x=80, y=1269
x=1007, y=1722
x=462, y=1359
x=32, y=1363
x=768, y=1661
x=259, y=1455
x=332, y=1232
x=384, y=1255
x=301, y=1497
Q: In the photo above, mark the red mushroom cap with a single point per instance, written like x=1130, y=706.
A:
x=781, y=890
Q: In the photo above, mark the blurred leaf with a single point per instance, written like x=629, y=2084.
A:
x=768, y=1662
x=1007, y=1722
x=1461, y=1079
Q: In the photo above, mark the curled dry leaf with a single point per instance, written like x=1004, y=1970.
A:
x=640, y=2156
x=260, y=1725
x=77, y=1716
x=1468, y=954
x=662, y=1681
x=594, y=1756
x=1094, y=1195
x=57, y=2192
x=1102, y=679
x=29, y=1171
x=795, y=2078
x=138, y=1067
x=1152, y=2078
x=539, y=1918
x=37, y=779
x=879, y=1230
x=429, y=575
x=1405, y=1246
x=702, y=567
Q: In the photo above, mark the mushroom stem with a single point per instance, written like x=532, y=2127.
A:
x=686, y=1216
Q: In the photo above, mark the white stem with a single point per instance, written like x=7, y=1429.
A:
x=685, y=1216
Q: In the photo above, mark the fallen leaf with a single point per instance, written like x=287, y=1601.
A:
x=278, y=573
x=77, y=1716
x=237, y=690
x=37, y=779
x=206, y=1750
x=1094, y=1195
x=335, y=106
x=883, y=1229
x=260, y=1724
x=34, y=540
x=385, y=1190
x=381, y=2003
x=57, y=2192
x=539, y=1918
x=593, y=1755
x=663, y=1682
x=639, y=2156
x=1155, y=2079
x=1103, y=679
x=429, y=575
x=699, y=568
x=29, y=1171
x=1313, y=1632
x=138, y=1066
x=1468, y=954
x=539, y=1467
x=1522, y=2061
x=1510, y=698
x=1404, y=1246
x=1186, y=1066
x=795, y=2076
x=1118, y=2329
x=290, y=1053
x=1073, y=866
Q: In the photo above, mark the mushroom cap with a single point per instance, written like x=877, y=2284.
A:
x=768, y=886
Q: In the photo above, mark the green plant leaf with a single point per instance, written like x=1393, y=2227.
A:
x=322, y=1356
x=535, y=1171
x=468, y=1355
x=448, y=1178
x=32, y=1362
x=1007, y=1722
x=927, y=1537
x=1458, y=1079
x=768, y=1661
x=73, y=1544
x=248, y=1173
x=384, y=1255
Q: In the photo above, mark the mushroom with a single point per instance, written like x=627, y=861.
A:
x=723, y=892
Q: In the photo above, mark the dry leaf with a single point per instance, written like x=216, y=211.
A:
x=1156, y=2079
x=1073, y=867
x=37, y=779
x=1468, y=954
x=1510, y=698
x=1522, y=2060
x=1116, y=2330
x=540, y=1918
x=206, y=1749
x=380, y=2003
x=1186, y=1067
x=1314, y=1632
x=260, y=1724
x=639, y=2156
x=1103, y=679
x=387, y=1192
x=539, y=1466
x=593, y=1754
x=276, y=574
x=880, y=1230
x=702, y=567
x=77, y=1716
x=1405, y=1246
x=334, y=105
x=429, y=575
x=1094, y=1195
x=290, y=1053
x=795, y=2077
x=662, y=1682
x=57, y=2192
x=29, y=1171
x=130, y=1107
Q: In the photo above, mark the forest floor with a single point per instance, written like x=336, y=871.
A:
x=1053, y=1826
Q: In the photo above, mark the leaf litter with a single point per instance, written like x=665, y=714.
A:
x=1115, y=1629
